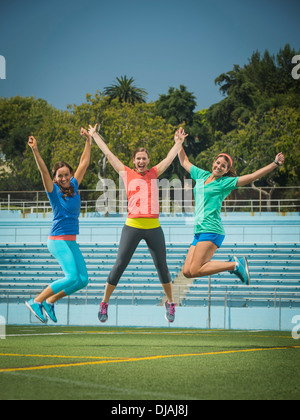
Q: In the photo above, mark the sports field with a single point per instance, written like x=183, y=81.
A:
x=116, y=364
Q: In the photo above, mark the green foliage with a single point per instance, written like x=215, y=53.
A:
x=58, y=139
x=255, y=144
x=258, y=117
x=261, y=85
x=126, y=127
x=125, y=91
x=19, y=117
x=177, y=106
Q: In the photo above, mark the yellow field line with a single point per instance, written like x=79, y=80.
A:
x=59, y=356
x=136, y=359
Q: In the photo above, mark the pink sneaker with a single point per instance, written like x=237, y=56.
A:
x=170, y=311
x=102, y=314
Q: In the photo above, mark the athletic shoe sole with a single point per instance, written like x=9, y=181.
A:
x=247, y=272
x=101, y=319
x=50, y=317
x=34, y=313
x=235, y=259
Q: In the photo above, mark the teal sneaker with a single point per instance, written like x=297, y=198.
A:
x=36, y=309
x=241, y=269
x=170, y=311
x=49, y=309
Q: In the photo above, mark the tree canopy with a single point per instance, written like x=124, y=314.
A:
x=264, y=83
x=125, y=91
x=258, y=117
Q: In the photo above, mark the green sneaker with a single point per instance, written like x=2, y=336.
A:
x=49, y=309
x=37, y=309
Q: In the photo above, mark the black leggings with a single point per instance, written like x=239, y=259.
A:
x=130, y=238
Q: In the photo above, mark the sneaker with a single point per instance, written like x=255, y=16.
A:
x=241, y=269
x=49, y=309
x=102, y=314
x=37, y=309
x=170, y=311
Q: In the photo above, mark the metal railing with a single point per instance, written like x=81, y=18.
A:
x=172, y=201
x=186, y=295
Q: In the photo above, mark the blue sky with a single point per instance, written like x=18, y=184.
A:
x=61, y=50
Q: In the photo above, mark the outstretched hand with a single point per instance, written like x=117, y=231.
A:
x=92, y=130
x=180, y=135
x=85, y=133
x=32, y=142
x=280, y=158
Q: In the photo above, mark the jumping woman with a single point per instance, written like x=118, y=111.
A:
x=210, y=190
x=143, y=218
x=62, y=191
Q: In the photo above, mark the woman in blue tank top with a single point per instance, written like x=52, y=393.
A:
x=62, y=191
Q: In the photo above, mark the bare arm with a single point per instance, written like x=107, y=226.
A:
x=113, y=160
x=184, y=160
x=46, y=178
x=246, y=179
x=85, y=157
x=179, y=139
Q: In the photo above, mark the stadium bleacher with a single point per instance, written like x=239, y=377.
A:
x=274, y=270
x=26, y=269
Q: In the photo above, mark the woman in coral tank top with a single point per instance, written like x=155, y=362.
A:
x=143, y=218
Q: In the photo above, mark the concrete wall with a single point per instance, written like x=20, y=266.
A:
x=153, y=316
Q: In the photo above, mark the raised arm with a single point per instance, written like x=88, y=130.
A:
x=179, y=139
x=46, y=178
x=113, y=160
x=184, y=160
x=246, y=179
x=85, y=157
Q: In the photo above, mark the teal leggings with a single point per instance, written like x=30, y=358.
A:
x=73, y=265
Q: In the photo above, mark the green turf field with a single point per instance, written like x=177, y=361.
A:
x=147, y=364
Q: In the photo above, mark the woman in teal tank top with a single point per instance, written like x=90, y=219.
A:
x=210, y=190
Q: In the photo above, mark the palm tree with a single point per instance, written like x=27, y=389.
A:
x=125, y=91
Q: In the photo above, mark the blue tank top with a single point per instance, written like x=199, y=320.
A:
x=66, y=211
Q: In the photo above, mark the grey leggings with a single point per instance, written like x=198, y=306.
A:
x=130, y=238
